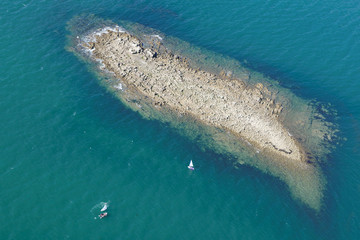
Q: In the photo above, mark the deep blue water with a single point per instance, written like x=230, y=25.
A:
x=68, y=145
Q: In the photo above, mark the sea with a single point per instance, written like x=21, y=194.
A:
x=68, y=146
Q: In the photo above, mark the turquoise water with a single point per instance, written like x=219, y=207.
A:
x=68, y=145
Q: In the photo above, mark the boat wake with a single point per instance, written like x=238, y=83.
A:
x=99, y=207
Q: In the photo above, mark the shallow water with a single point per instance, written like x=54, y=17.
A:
x=305, y=120
x=68, y=145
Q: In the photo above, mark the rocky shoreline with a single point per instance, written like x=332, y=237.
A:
x=154, y=80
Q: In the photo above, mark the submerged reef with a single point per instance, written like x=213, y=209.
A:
x=211, y=99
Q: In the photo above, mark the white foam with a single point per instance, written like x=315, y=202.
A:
x=248, y=143
x=101, y=63
x=157, y=36
x=88, y=51
x=119, y=86
x=92, y=36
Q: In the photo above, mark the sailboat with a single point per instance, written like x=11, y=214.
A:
x=191, y=165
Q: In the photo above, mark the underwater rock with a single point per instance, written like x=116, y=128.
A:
x=238, y=118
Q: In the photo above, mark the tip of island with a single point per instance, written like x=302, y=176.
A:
x=235, y=115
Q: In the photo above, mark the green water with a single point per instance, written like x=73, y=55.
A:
x=68, y=145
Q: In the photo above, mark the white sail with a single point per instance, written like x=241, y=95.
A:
x=104, y=207
x=191, y=165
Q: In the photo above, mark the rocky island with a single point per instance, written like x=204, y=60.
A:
x=237, y=116
x=221, y=102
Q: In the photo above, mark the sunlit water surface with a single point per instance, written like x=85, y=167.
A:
x=67, y=144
